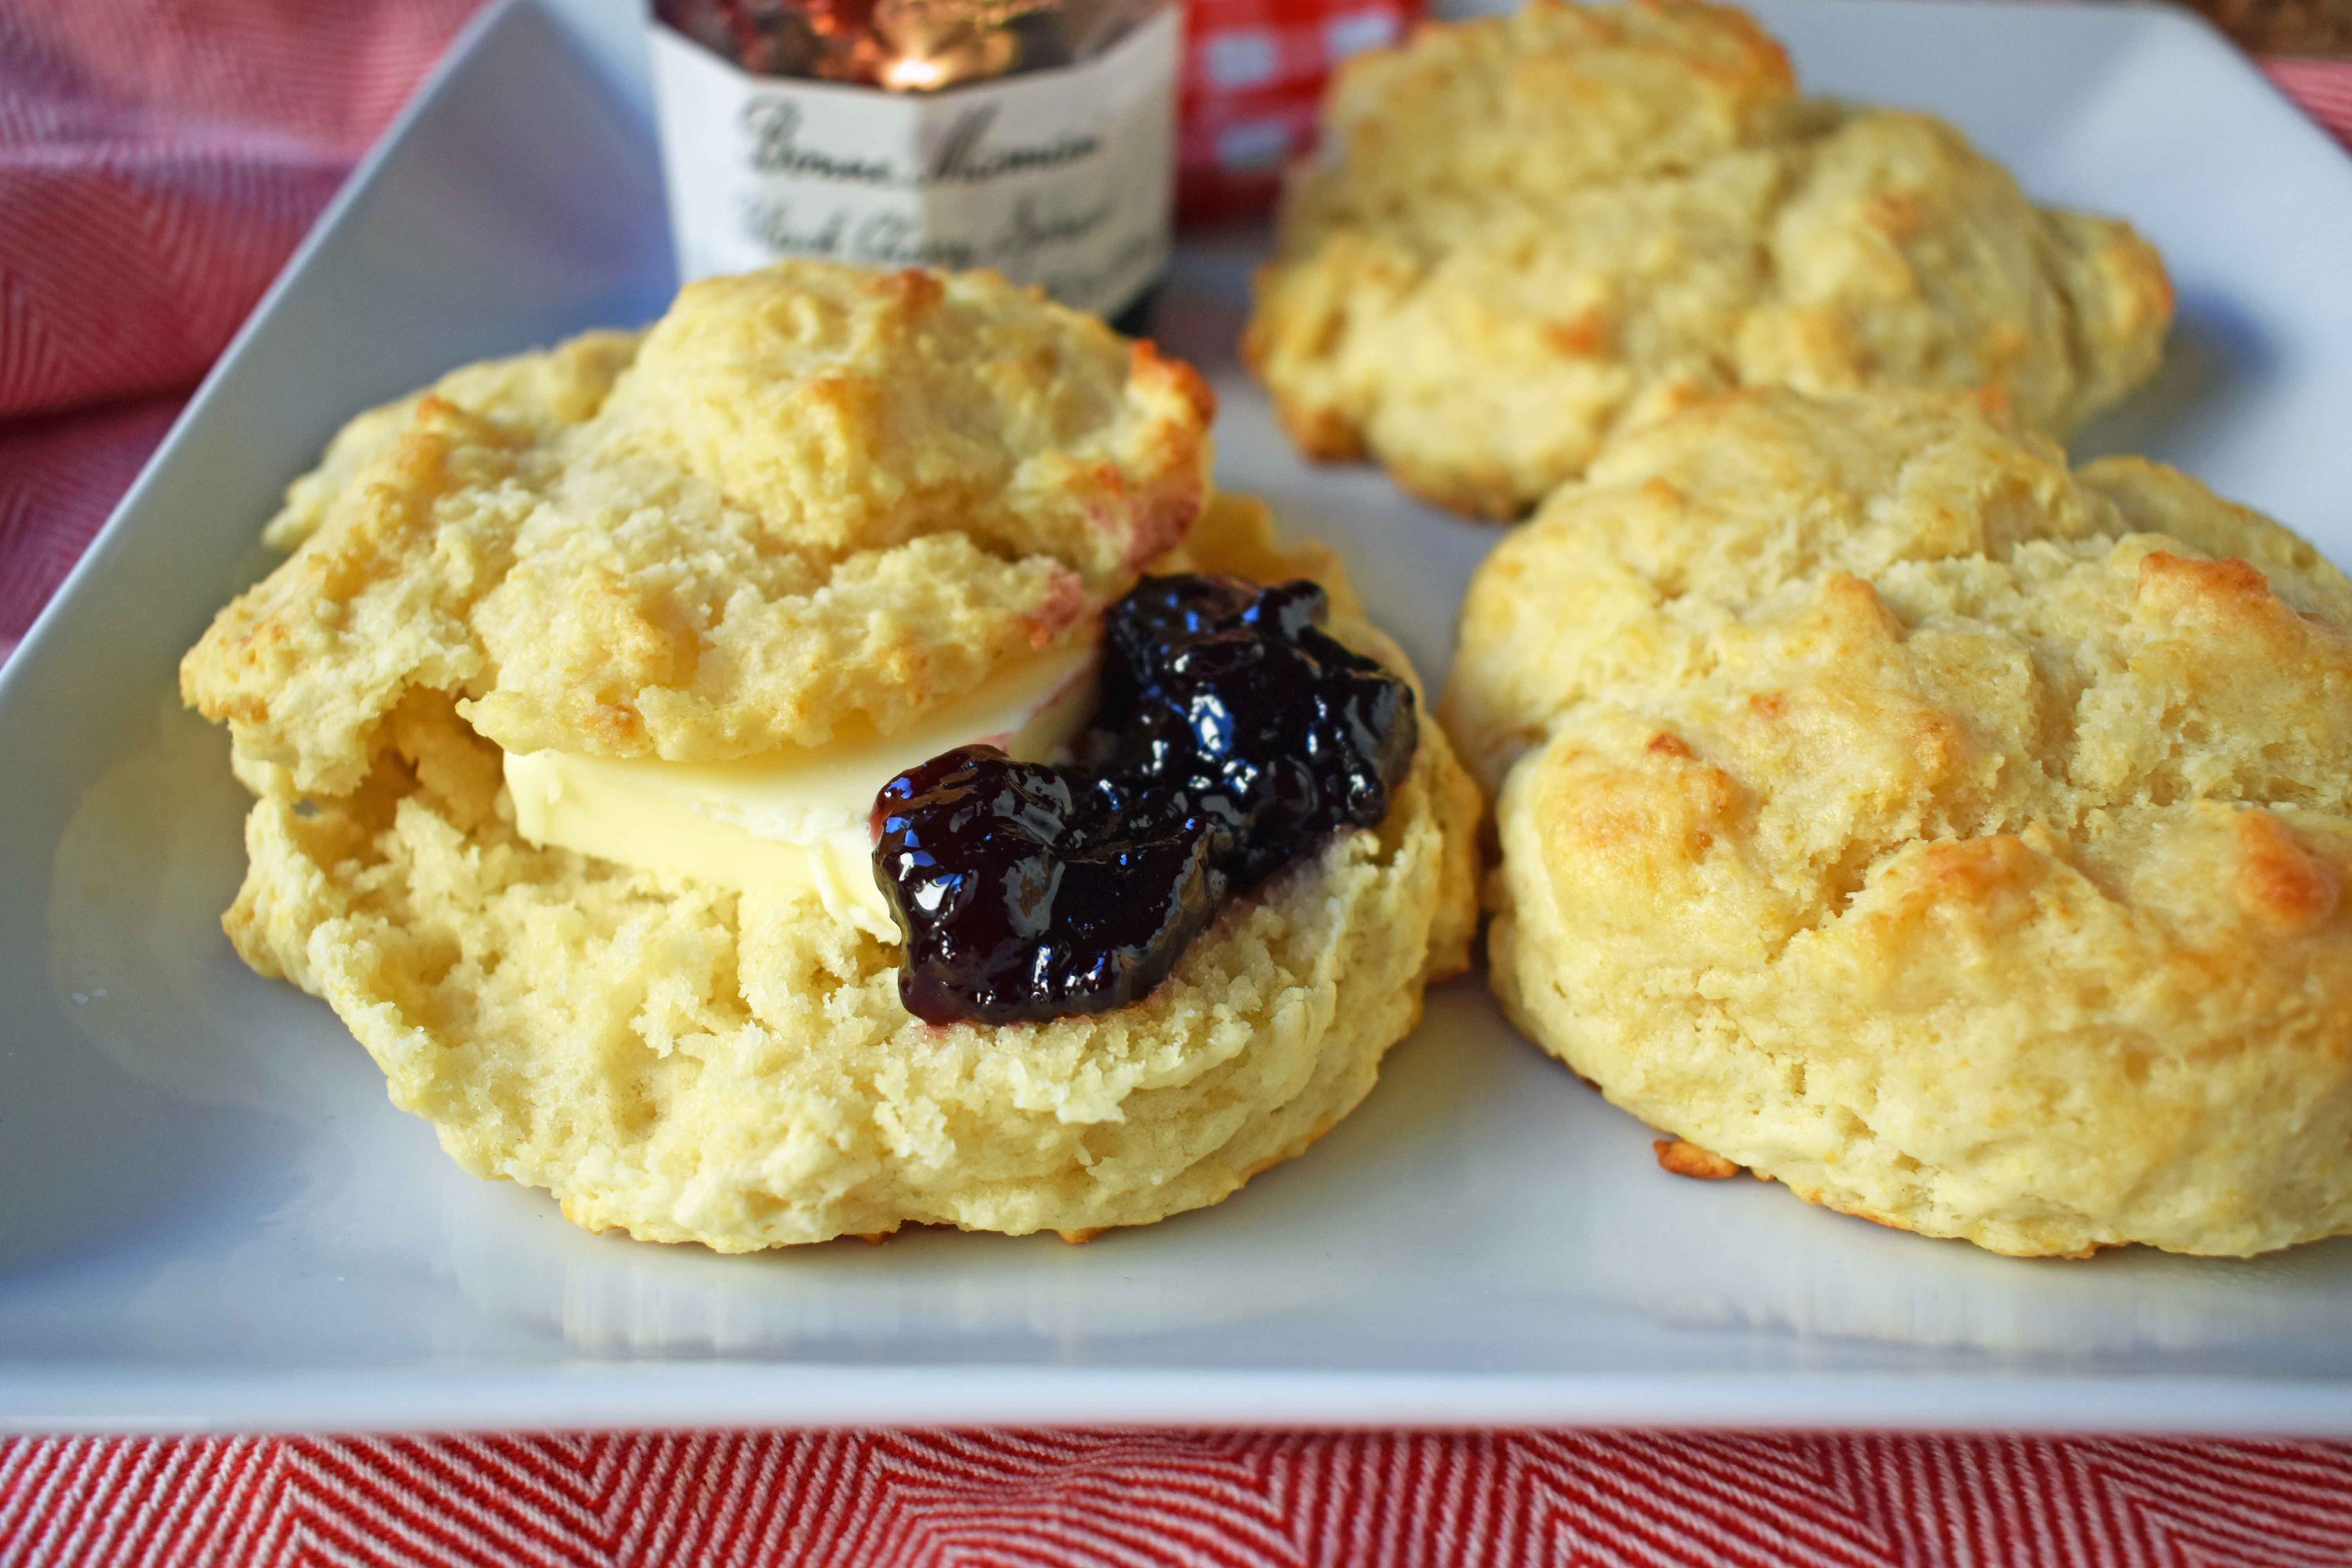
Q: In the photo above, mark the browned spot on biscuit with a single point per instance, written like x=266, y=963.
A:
x=1669, y=745
x=1675, y=396
x=2164, y=574
x=1894, y=214
x=1657, y=816
x=1684, y=1159
x=916, y=291
x=2224, y=601
x=1080, y=1237
x=1849, y=604
x=1976, y=866
x=1579, y=336
x=1322, y=435
x=1994, y=403
x=2006, y=344
x=2279, y=882
x=873, y=1237
x=1978, y=889
x=1146, y=363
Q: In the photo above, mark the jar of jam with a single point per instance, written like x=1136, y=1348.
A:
x=1033, y=137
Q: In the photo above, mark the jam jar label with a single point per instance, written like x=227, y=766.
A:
x=1061, y=177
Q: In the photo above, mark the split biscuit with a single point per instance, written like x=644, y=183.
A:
x=614, y=548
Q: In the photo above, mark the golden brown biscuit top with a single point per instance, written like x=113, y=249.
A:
x=807, y=497
x=2109, y=636
x=1550, y=99
x=1810, y=634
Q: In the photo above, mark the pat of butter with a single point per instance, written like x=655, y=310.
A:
x=798, y=814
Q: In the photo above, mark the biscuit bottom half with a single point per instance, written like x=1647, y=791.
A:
x=687, y=1063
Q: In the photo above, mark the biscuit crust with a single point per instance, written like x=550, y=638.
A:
x=684, y=1063
x=1535, y=230
x=1954, y=838
x=808, y=497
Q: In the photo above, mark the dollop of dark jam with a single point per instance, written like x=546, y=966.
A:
x=1234, y=735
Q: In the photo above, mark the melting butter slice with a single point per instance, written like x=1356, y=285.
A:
x=799, y=814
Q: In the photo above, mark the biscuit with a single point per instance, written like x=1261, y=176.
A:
x=1954, y=838
x=806, y=496
x=1531, y=232
x=809, y=496
x=686, y=1063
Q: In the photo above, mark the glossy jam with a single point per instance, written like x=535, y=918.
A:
x=1235, y=735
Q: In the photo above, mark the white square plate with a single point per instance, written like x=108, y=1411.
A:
x=210, y=1218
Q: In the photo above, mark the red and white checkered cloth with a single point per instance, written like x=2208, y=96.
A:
x=1254, y=75
x=158, y=159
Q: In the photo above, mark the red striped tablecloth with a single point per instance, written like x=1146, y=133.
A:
x=158, y=159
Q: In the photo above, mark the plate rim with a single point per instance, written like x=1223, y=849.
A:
x=733, y=1394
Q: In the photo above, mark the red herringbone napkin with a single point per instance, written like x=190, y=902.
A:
x=1148, y=1500
x=158, y=161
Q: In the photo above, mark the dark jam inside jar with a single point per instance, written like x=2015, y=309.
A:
x=1235, y=736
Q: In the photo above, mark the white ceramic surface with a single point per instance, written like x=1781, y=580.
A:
x=210, y=1217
